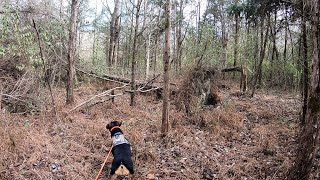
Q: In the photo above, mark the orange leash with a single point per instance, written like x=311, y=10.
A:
x=104, y=163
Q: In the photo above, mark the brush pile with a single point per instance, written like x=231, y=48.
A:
x=198, y=89
x=18, y=86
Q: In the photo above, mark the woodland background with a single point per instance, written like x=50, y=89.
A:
x=232, y=85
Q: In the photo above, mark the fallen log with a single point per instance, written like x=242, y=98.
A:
x=140, y=85
x=105, y=93
x=121, y=80
x=99, y=77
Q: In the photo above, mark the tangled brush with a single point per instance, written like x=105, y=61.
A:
x=197, y=89
x=18, y=85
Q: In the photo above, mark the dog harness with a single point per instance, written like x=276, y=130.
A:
x=118, y=138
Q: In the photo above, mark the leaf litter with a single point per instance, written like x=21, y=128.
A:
x=239, y=138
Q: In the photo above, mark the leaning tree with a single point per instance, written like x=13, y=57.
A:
x=310, y=133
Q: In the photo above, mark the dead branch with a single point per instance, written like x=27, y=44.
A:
x=105, y=93
x=125, y=81
x=148, y=90
x=99, y=77
x=44, y=70
x=13, y=97
x=112, y=96
x=117, y=79
x=19, y=83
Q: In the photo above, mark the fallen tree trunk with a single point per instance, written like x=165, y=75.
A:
x=142, y=86
x=99, y=77
x=105, y=93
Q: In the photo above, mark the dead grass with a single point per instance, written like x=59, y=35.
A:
x=242, y=138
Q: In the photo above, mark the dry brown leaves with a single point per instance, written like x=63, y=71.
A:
x=242, y=138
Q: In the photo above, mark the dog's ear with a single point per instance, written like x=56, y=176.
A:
x=108, y=126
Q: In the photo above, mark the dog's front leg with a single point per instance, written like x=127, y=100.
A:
x=113, y=177
x=131, y=177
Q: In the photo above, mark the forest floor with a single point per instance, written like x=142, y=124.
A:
x=241, y=138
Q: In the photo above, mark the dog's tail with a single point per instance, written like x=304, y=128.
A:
x=122, y=171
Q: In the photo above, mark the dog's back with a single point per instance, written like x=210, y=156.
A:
x=122, y=155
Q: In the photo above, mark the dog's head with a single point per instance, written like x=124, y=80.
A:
x=113, y=124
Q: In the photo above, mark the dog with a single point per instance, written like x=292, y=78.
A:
x=122, y=164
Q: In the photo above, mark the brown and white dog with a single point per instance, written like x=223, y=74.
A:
x=122, y=164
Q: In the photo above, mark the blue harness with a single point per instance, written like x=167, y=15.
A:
x=118, y=138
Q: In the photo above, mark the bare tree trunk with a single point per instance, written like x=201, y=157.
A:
x=274, y=55
x=180, y=36
x=156, y=42
x=236, y=37
x=71, y=52
x=224, y=41
x=94, y=38
x=166, y=61
x=285, y=47
x=155, y=56
x=256, y=47
x=198, y=16
x=148, y=57
x=262, y=54
x=113, y=33
x=175, y=37
x=134, y=53
x=129, y=49
x=243, y=80
x=305, y=64
x=147, y=40
x=117, y=44
x=94, y=48
x=310, y=134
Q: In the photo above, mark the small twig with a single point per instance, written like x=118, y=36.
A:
x=10, y=96
x=148, y=90
x=18, y=84
x=274, y=175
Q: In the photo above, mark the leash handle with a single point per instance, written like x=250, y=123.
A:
x=104, y=163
